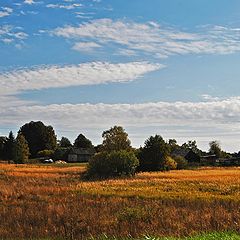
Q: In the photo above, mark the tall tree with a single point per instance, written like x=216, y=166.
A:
x=21, y=150
x=153, y=154
x=82, y=142
x=39, y=137
x=115, y=139
x=64, y=142
x=215, y=148
x=10, y=146
x=3, y=142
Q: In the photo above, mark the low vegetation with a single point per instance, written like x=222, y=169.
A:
x=52, y=202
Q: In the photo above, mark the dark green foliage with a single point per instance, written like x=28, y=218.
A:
x=61, y=153
x=116, y=163
x=21, y=150
x=182, y=163
x=64, y=142
x=82, y=142
x=45, y=153
x=115, y=139
x=215, y=149
x=39, y=137
x=153, y=154
x=9, y=147
x=3, y=142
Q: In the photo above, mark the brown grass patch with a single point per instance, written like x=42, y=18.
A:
x=51, y=202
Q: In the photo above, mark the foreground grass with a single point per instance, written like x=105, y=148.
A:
x=209, y=236
x=52, y=202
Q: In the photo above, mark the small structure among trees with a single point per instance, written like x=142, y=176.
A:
x=80, y=154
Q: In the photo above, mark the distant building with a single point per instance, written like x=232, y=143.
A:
x=80, y=154
x=209, y=159
x=188, y=154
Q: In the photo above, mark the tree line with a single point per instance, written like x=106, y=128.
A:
x=113, y=157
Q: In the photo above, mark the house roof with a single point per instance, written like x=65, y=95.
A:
x=82, y=151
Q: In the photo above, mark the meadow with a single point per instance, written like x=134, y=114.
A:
x=53, y=202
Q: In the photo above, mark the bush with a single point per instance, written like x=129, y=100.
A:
x=169, y=164
x=61, y=153
x=182, y=163
x=117, y=163
x=45, y=153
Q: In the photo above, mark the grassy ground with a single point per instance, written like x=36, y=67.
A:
x=48, y=201
x=209, y=236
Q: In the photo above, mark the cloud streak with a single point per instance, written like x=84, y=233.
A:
x=152, y=38
x=72, y=75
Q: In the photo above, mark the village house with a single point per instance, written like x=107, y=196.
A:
x=80, y=155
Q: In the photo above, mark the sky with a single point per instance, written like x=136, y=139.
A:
x=167, y=67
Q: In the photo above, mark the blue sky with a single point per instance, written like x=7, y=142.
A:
x=168, y=67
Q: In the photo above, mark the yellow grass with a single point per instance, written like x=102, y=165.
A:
x=42, y=201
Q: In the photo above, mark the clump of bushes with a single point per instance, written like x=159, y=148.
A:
x=169, y=164
x=45, y=153
x=182, y=163
x=113, y=164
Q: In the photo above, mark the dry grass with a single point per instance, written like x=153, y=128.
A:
x=53, y=202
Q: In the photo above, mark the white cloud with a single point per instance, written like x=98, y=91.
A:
x=85, y=46
x=30, y=2
x=210, y=98
x=6, y=11
x=152, y=38
x=183, y=120
x=11, y=34
x=73, y=75
x=68, y=7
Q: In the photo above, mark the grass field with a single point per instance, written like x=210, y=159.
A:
x=52, y=202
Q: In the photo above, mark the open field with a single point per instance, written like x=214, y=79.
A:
x=39, y=201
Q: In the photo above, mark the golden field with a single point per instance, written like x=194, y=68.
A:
x=49, y=201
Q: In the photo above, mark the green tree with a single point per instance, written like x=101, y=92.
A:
x=10, y=146
x=115, y=139
x=153, y=154
x=65, y=142
x=3, y=142
x=39, y=137
x=115, y=163
x=21, y=150
x=82, y=142
x=215, y=148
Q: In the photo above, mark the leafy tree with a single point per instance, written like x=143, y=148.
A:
x=182, y=163
x=192, y=145
x=115, y=163
x=153, y=154
x=115, y=139
x=169, y=164
x=82, y=142
x=21, y=150
x=64, y=142
x=45, y=153
x=215, y=148
x=173, y=145
x=39, y=137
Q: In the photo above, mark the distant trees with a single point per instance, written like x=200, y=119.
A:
x=115, y=156
x=9, y=147
x=115, y=139
x=21, y=150
x=65, y=142
x=39, y=137
x=82, y=142
x=115, y=163
x=153, y=154
x=215, y=148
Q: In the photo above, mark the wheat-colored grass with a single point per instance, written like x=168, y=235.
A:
x=38, y=201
